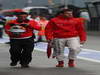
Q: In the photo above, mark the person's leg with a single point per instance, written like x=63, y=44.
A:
x=15, y=52
x=59, y=45
x=74, y=49
x=1, y=32
x=26, y=56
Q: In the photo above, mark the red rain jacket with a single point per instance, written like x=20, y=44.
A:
x=60, y=27
x=29, y=29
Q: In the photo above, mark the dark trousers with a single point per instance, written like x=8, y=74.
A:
x=21, y=50
x=1, y=32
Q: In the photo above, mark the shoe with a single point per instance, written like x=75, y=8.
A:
x=13, y=63
x=60, y=64
x=71, y=63
x=25, y=66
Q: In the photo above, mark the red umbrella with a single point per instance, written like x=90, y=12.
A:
x=16, y=10
x=11, y=11
x=49, y=50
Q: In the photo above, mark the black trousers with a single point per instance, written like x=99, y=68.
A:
x=21, y=50
x=1, y=32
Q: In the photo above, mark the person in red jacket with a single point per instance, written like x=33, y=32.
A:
x=20, y=32
x=66, y=30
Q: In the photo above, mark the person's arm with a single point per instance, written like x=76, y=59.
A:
x=35, y=25
x=81, y=30
x=7, y=28
x=49, y=31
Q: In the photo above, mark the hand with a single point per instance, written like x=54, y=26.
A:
x=50, y=42
x=82, y=42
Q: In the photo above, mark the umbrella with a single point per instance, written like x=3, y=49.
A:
x=11, y=11
x=16, y=10
x=49, y=50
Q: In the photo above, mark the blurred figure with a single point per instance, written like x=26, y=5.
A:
x=10, y=17
x=41, y=34
x=36, y=18
x=2, y=23
x=84, y=14
x=20, y=32
x=65, y=30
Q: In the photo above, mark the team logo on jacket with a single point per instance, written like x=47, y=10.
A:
x=19, y=29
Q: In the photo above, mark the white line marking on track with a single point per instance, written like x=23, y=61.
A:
x=83, y=58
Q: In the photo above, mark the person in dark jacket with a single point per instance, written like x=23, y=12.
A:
x=20, y=32
x=2, y=23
